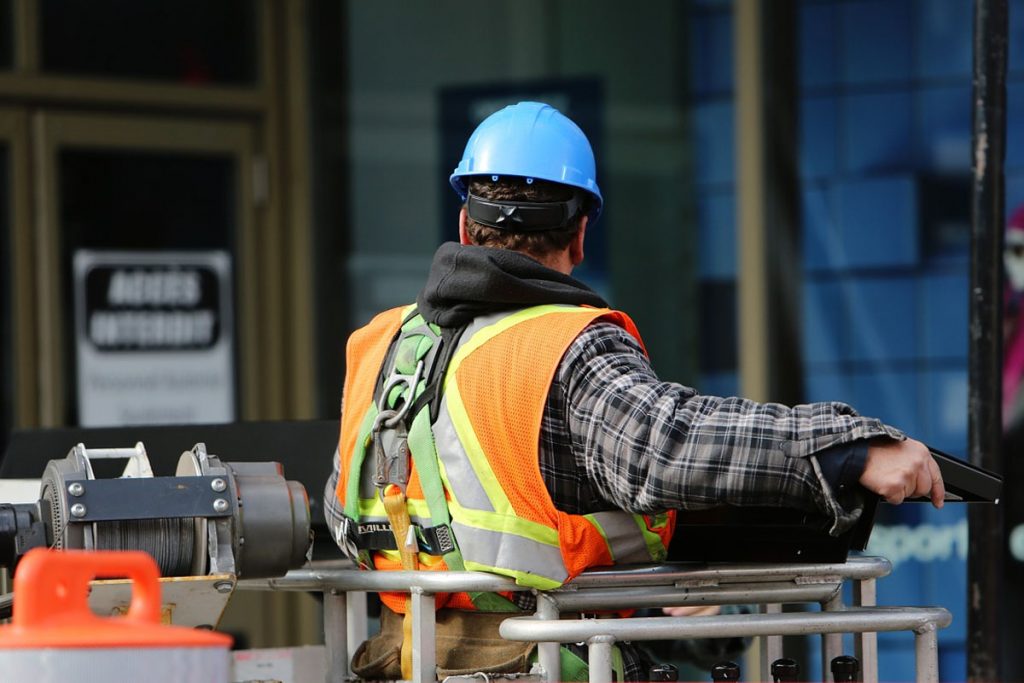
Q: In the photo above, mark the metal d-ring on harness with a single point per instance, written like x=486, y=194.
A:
x=393, y=461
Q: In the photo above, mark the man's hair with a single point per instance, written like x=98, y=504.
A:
x=536, y=244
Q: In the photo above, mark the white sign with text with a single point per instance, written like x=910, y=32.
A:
x=154, y=337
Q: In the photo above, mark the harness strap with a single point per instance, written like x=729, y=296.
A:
x=398, y=515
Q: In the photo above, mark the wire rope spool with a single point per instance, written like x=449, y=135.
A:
x=194, y=523
x=169, y=541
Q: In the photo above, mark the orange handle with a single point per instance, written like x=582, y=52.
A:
x=54, y=585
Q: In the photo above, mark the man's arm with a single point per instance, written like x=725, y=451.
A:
x=649, y=445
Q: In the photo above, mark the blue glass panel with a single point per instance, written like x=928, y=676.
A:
x=883, y=324
x=944, y=39
x=879, y=222
x=719, y=384
x=818, y=136
x=828, y=385
x=817, y=58
x=1015, y=124
x=1014, y=192
x=946, y=408
x=823, y=323
x=944, y=308
x=711, y=52
x=890, y=395
x=877, y=132
x=716, y=216
x=928, y=549
x=821, y=242
x=1016, y=37
x=713, y=124
x=875, y=41
x=945, y=128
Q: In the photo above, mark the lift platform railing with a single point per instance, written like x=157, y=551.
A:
x=648, y=586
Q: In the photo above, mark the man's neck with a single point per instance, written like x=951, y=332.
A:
x=556, y=260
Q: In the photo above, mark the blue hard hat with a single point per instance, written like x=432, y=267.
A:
x=530, y=140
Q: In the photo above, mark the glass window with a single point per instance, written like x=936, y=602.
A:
x=183, y=41
x=131, y=200
x=6, y=341
x=6, y=34
x=884, y=149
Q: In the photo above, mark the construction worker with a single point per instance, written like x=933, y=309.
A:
x=508, y=421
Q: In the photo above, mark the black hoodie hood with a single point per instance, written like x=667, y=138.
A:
x=468, y=281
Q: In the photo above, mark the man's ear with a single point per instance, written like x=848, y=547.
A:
x=463, y=233
x=576, y=246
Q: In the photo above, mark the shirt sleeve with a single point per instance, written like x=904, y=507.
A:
x=649, y=445
x=842, y=465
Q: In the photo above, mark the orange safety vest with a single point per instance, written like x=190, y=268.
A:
x=484, y=470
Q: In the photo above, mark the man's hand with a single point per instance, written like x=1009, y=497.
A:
x=692, y=611
x=897, y=470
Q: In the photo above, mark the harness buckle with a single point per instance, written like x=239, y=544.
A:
x=344, y=537
x=390, y=438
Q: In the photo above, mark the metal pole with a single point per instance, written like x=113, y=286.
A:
x=336, y=634
x=358, y=626
x=984, y=433
x=424, y=641
x=771, y=646
x=599, y=658
x=767, y=199
x=866, y=644
x=831, y=643
x=926, y=651
x=549, y=655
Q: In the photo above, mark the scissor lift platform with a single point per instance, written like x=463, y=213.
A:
x=768, y=585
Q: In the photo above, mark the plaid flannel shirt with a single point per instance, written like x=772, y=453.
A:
x=614, y=436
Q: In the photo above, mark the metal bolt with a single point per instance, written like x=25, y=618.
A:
x=76, y=489
x=220, y=505
x=218, y=485
x=78, y=510
x=223, y=586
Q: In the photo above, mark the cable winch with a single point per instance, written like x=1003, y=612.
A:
x=211, y=517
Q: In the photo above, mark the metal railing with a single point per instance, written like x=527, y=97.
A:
x=770, y=586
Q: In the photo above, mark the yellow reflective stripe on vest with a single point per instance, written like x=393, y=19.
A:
x=474, y=452
x=511, y=320
x=619, y=530
x=356, y=460
x=454, y=464
x=521, y=578
x=655, y=547
x=530, y=563
x=503, y=523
